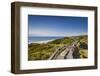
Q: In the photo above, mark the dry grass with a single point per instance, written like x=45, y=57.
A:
x=83, y=53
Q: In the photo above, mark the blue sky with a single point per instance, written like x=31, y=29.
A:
x=57, y=25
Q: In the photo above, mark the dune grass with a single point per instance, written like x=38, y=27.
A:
x=43, y=51
x=83, y=53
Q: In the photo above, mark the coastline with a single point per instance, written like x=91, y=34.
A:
x=43, y=42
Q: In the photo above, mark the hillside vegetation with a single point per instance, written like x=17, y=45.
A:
x=44, y=50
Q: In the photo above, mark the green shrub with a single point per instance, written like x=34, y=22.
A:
x=83, y=45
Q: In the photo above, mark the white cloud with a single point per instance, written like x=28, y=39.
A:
x=51, y=32
x=44, y=32
x=39, y=32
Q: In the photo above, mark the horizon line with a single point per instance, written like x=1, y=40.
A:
x=57, y=36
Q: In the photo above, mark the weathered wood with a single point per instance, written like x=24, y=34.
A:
x=65, y=52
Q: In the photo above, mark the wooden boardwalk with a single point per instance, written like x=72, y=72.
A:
x=65, y=52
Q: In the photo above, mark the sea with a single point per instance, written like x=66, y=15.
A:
x=35, y=39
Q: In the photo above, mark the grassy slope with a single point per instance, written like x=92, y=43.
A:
x=44, y=51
